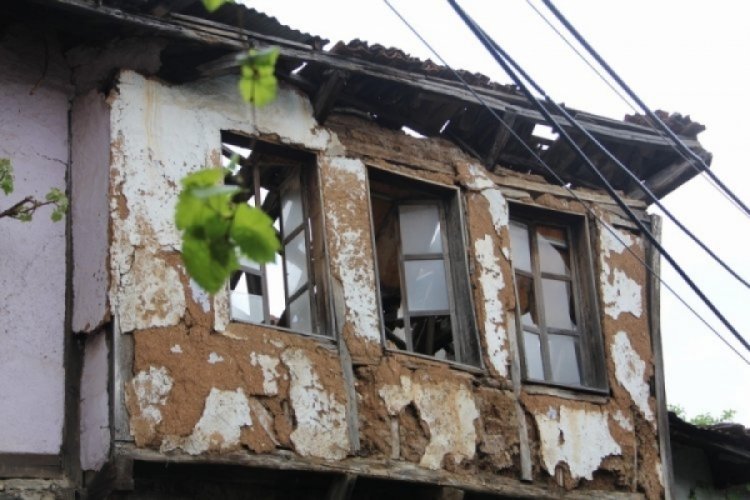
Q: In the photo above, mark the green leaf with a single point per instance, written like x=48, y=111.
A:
x=257, y=82
x=209, y=262
x=6, y=175
x=254, y=233
x=212, y=5
x=204, y=178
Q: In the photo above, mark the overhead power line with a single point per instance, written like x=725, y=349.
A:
x=516, y=73
x=697, y=162
x=562, y=183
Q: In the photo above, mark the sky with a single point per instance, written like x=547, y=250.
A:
x=685, y=56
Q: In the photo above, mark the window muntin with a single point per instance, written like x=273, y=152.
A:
x=422, y=269
x=288, y=291
x=556, y=305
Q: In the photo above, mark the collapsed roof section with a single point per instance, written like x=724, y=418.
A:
x=387, y=86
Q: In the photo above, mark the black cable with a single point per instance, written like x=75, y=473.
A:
x=699, y=163
x=502, y=58
x=562, y=183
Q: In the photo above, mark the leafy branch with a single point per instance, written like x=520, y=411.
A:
x=25, y=209
x=703, y=419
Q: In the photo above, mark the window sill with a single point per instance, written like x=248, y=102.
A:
x=575, y=393
x=417, y=359
x=240, y=328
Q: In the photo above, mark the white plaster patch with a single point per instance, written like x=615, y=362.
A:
x=214, y=358
x=176, y=349
x=623, y=421
x=613, y=240
x=498, y=206
x=200, y=296
x=268, y=366
x=321, y=420
x=621, y=294
x=151, y=293
x=151, y=389
x=448, y=410
x=579, y=438
x=224, y=415
x=358, y=281
x=479, y=178
x=491, y=281
x=630, y=371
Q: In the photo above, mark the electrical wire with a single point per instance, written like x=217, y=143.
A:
x=697, y=162
x=549, y=169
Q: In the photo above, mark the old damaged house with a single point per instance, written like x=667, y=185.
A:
x=443, y=321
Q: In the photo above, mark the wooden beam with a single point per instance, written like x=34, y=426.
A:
x=663, y=181
x=327, y=93
x=502, y=135
x=164, y=7
x=30, y=465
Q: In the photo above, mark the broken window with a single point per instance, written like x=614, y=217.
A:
x=289, y=291
x=422, y=273
x=556, y=309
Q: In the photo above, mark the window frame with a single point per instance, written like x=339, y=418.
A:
x=448, y=200
x=583, y=289
x=306, y=175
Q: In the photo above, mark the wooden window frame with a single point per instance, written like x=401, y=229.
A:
x=584, y=292
x=454, y=257
x=305, y=173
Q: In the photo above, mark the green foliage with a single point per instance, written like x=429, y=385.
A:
x=257, y=82
x=216, y=229
x=212, y=5
x=24, y=209
x=703, y=419
x=6, y=176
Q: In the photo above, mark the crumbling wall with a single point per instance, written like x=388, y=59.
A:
x=202, y=384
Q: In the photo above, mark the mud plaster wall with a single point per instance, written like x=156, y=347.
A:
x=34, y=135
x=265, y=390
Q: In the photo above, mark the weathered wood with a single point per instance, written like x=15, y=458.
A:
x=30, y=465
x=342, y=487
x=664, y=179
x=653, y=258
x=122, y=372
x=327, y=93
x=164, y=7
x=502, y=134
x=374, y=468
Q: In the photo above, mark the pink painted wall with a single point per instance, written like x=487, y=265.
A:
x=34, y=135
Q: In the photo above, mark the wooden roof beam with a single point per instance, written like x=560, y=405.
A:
x=502, y=135
x=327, y=93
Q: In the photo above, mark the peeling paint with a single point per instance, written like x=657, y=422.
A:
x=321, y=420
x=621, y=294
x=176, y=349
x=200, y=296
x=151, y=389
x=578, y=438
x=214, y=358
x=448, y=409
x=498, y=206
x=630, y=371
x=491, y=280
x=268, y=365
x=623, y=421
x=358, y=281
x=220, y=425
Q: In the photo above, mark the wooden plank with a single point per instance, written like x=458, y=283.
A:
x=327, y=93
x=377, y=468
x=30, y=465
x=502, y=135
x=663, y=179
x=653, y=259
x=122, y=372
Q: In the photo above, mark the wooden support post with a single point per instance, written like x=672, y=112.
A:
x=326, y=95
x=502, y=135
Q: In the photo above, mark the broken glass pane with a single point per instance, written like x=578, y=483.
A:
x=553, y=253
x=296, y=263
x=247, y=307
x=426, y=286
x=300, y=317
x=519, y=246
x=558, y=306
x=563, y=360
x=533, y=351
x=291, y=210
x=526, y=300
x=420, y=229
x=431, y=333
